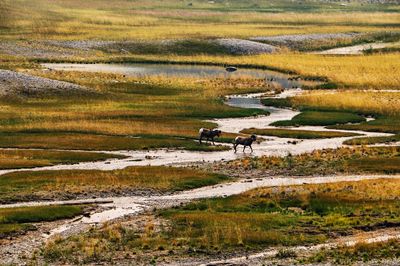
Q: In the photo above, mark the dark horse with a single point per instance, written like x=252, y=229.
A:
x=209, y=134
x=244, y=141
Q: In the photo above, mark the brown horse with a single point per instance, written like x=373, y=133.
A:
x=209, y=134
x=244, y=141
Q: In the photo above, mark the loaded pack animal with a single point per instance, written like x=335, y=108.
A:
x=209, y=134
x=244, y=141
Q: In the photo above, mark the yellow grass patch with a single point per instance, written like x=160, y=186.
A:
x=386, y=103
x=378, y=71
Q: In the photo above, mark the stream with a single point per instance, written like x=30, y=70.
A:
x=111, y=208
x=272, y=146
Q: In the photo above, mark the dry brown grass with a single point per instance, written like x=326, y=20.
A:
x=41, y=19
x=128, y=106
x=384, y=103
x=20, y=186
x=371, y=190
x=377, y=71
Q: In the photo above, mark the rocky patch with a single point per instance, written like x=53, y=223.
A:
x=23, y=85
x=245, y=47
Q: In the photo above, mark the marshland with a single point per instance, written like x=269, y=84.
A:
x=102, y=104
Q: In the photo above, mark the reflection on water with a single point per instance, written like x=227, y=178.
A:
x=138, y=69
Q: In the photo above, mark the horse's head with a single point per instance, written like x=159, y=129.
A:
x=253, y=137
x=217, y=132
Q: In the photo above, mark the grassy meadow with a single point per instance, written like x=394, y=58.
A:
x=122, y=112
x=313, y=118
x=126, y=113
x=19, y=220
x=34, y=158
x=172, y=19
x=22, y=186
x=250, y=221
x=367, y=252
x=336, y=109
x=375, y=71
x=357, y=160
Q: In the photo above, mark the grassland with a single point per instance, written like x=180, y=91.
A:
x=376, y=71
x=361, y=252
x=326, y=162
x=316, y=118
x=16, y=221
x=250, y=221
x=372, y=140
x=317, y=104
x=34, y=158
x=127, y=113
x=174, y=19
x=366, y=102
x=20, y=186
x=381, y=124
x=76, y=141
x=297, y=134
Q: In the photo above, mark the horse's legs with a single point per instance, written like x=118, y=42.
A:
x=234, y=147
x=213, y=140
x=244, y=147
x=200, y=138
x=251, y=148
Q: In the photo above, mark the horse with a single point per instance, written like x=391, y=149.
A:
x=244, y=141
x=209, y=134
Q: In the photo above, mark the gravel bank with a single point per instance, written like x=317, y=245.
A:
x=304, y=37
x=44, y=49
x=358, y=49
x=245, y=47
x=19, y=84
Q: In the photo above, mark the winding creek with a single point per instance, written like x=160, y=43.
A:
x=273, y=146
x=116, y=207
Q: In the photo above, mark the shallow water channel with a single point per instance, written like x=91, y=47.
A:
x=174, y=70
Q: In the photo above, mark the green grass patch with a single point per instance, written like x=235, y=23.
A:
x=28, y=185
x=385, y=50
x=18, y=220
x=372, y=140
x=370, y=165
x=315, y=118
x=11, y=159
x=297, y=134
x=95, y=142
x=381, y=124
x=277, y=102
